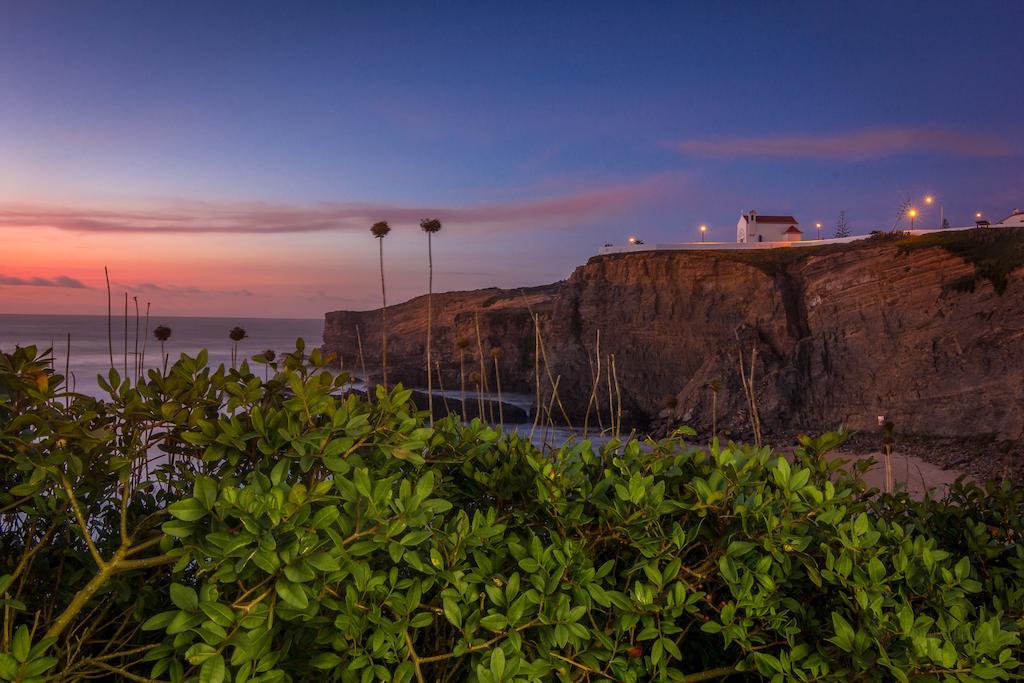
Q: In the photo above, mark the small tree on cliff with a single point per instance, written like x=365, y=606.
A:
x=380, y=230
x=842, y=226
x=430, y=226
x=945, y=224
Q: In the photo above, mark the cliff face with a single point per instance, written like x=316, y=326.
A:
x=842, y=335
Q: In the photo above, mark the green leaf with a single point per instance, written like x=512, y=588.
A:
x=291, y=593
x=452, y=612
x=844, y=632
x=184, y=598
x=8, y=667
x=188, y=510
x=205, y=491
x=494, y=622
x=497, y=662
x=212, y=670
x=21, y=644
x=158, y=622
x=323, y=562
x=325, y=661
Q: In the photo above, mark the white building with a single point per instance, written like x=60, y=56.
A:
x=1015, y=218
x=753, y=227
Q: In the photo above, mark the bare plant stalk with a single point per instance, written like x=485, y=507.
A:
x=714, y=413
x=110, y=318
x=126, y=334
x=430, y=327
x=596, y=375
x=551, y=422
x=362, y=363
x=497, y=383
x=551, y=380
x=594, y=397
x=145, y=338
x=889, y=484
x=440, y=385
x=136, y=364
x=536, y=375
x=483, y=367
x=67, y=374
x=753, y=398
x=618, y=400
x=611, y=401
x=462, y=379
x=383, y=321
x=748, y=391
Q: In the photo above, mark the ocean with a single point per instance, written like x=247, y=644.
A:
x=90, y=353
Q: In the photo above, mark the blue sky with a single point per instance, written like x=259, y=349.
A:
x=540, y=131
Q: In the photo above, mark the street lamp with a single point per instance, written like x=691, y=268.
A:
x=913, y=216
x=703, y=231
x=633, y=239
x=817, y=226
x=929, y=200
x=977, y=215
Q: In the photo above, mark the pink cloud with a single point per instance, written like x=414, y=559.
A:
x=857, y=145
x=262, y=218
x=58, y=281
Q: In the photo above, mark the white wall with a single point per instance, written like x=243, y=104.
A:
x=769, y=232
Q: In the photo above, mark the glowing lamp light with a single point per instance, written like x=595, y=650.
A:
x=929, y=199
x=632, y=239
x=703, y=228
x=978, y=215
x=912, y=213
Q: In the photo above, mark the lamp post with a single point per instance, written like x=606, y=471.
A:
x=703, y=231
x=817, y=226
x=913, y=217
x=929, y=200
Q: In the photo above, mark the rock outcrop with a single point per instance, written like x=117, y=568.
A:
x=840, y=336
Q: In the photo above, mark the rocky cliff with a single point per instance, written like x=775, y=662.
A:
x=928, y=332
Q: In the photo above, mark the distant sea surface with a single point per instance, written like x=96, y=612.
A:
x=90, y=353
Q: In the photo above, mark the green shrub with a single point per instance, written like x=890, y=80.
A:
x=209, y=525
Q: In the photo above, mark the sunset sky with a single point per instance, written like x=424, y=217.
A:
x=229, y=158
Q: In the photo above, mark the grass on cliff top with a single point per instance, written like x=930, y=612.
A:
x=994, y=253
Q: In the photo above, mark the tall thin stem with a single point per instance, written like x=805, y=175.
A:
x=145, y=338
x=110, y=318
x=362, y=364
x=483, y=368
x=462, y=379
x=126, y=334
x=136, y=364
x=497, y=382
x=67, y=373
x=430, y=327
x=383, y=319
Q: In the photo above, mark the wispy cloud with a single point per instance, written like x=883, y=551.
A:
x=263, y=218
x=174, y=290
x=59, y=281
x=856, y=145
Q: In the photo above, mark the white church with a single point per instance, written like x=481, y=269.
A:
x=753, y=227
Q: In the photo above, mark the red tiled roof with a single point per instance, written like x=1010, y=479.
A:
x=793, y=230
x=772, y=219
